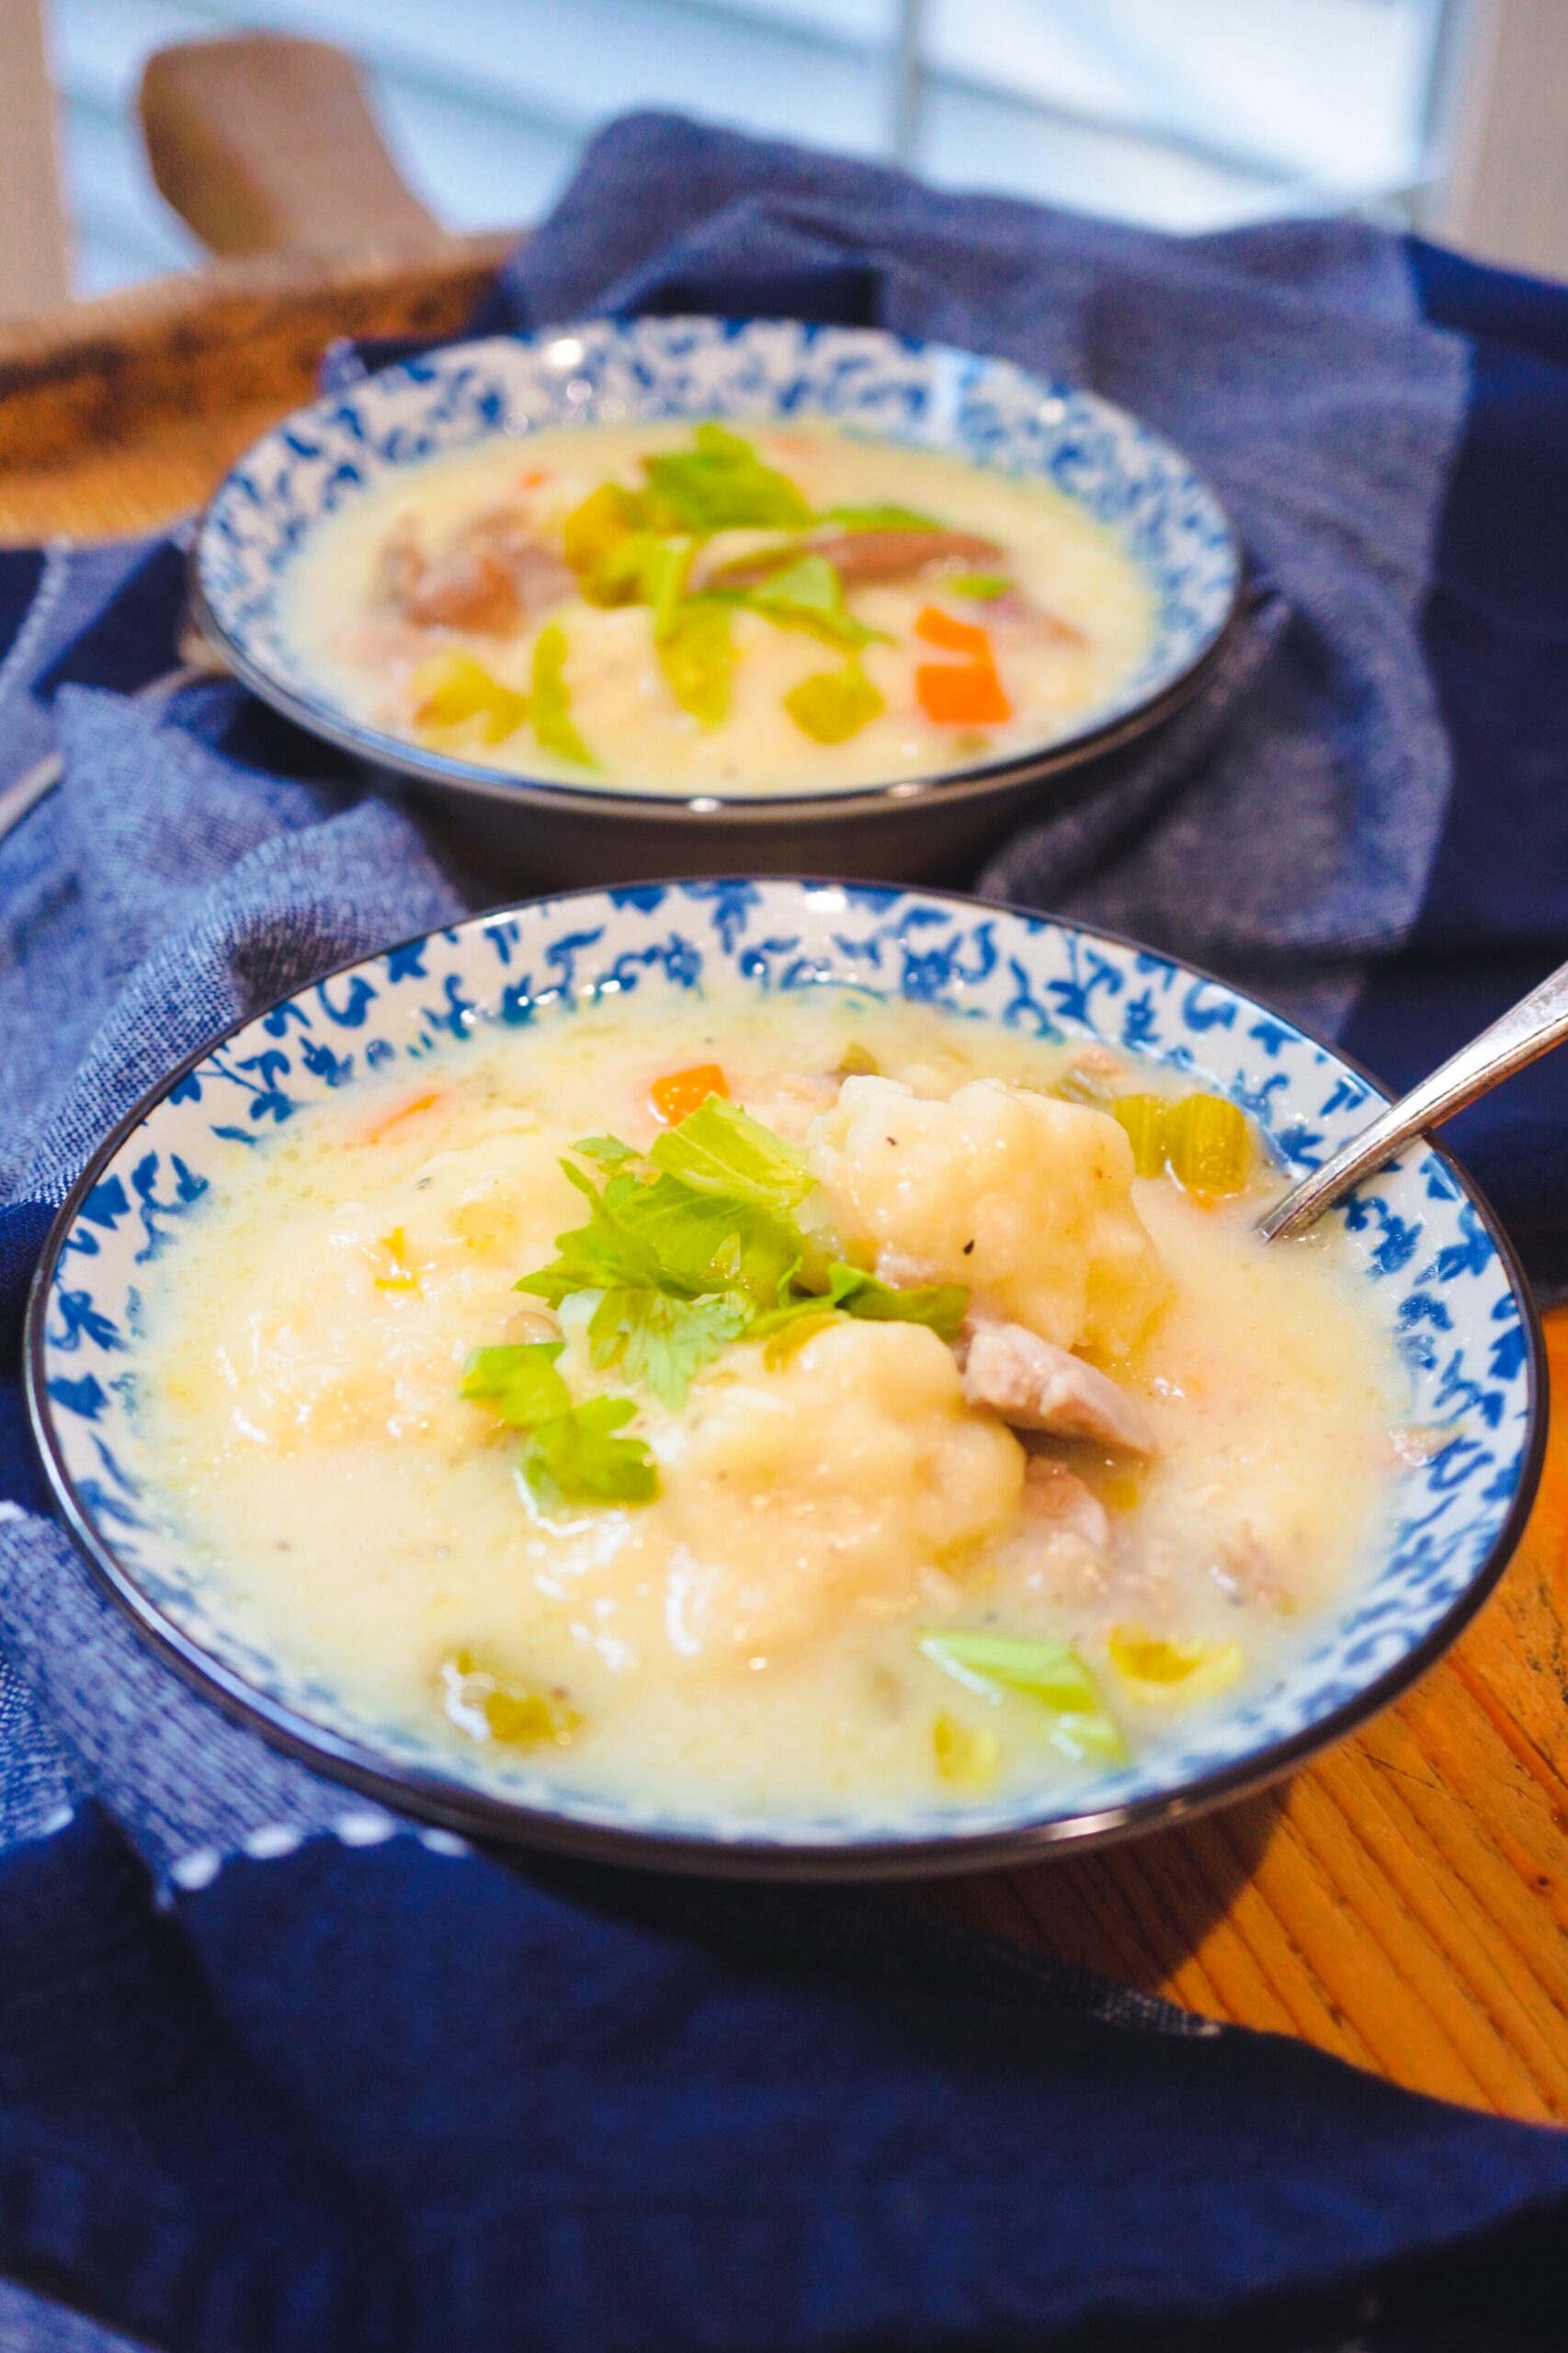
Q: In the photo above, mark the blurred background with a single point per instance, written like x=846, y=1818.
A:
x=1452, y=115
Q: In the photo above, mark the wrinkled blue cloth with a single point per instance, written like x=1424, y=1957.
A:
x=279, y=2072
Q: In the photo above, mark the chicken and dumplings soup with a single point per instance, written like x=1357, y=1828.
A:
x=810, y=1403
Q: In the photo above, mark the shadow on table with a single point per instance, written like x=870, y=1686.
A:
x=1134, y=1912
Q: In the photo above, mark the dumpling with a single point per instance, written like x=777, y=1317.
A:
x=1026, y=1200
x=832, y=1484
x=358, y=1314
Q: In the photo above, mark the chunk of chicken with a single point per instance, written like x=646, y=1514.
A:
x=1056, y=1500
x=1245, y=1570
x=1026, y=1201
x=1035, y=1385
x=492, y=576
x=1062, y=1550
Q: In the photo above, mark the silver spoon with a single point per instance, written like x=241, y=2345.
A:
x=1530, y=1027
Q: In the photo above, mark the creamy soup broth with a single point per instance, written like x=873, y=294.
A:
x=757, y=1634
x=991, y=616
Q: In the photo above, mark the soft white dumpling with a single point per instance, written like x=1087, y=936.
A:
x=1026, y=1200
x=831, y=1484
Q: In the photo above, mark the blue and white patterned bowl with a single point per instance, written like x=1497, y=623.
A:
x=927, y=395
x=1442, y=1283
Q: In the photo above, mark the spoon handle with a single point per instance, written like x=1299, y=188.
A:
x=1528, y=1029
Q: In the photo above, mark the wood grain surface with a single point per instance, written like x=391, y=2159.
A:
x=1403, y=1902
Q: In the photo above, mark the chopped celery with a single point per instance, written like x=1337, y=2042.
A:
x=882, y=519
x=1208, y=1144
x=1144, y=1117
x=1051, y=1673
x=665, y=581
x=621, y=573
x=489, y=1706
x=982, y=588
x=640, y=569
x=697, y=658
x=808, y=594
x=452, y=687
x=1172, y=1675
x=857, y=1062
x=720, y=484
x=832, y=705
x=606, y=517
x=968, y=1759
x=552, y=700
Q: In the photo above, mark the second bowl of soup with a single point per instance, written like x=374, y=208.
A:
x=638, y=589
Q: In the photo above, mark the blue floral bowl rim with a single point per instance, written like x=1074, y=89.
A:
x=482, y=1814
x=428, y=766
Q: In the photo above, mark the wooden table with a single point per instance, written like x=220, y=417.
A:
x=1402, y=1902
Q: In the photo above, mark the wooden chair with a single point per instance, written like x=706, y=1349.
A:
x=118, y=413
x=34, y=256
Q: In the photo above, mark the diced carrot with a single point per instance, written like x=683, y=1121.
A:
x=956, y=637
x=961, y=694
x=395, y=1119
x=672, y=1098
x=533, y=480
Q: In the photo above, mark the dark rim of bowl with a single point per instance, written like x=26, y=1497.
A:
x=1075, y=750
x=482, y=1814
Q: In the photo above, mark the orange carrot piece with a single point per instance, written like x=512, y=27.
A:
x=395, y=1119
x=956, y=637
x=961, y=694
x=682, y=1091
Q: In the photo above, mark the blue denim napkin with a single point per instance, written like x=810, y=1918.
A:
x=282, y=2072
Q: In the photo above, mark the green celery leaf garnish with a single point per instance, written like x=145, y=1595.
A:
x=722, y=485
x=851, y=1291
x=552, y=701
x=833, y=705
x=941, y=1305
x=721, y=1148
x=687, y=1258
x=698, y=659
x=662, y=1342
x=808, y=594
x=577, y=1459
x=705, y=1240
x=882, y=519
x=608, y=1150
x=598, y=1256
x=985, y=587
x=1051, y=1673
x=669, y=1236
x=521, y=1383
